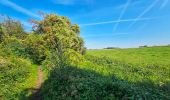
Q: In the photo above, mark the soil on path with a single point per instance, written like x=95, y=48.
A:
x=36, y=93
x=40, y=78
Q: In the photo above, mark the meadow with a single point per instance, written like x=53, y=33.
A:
x=158, y=55
x=148, y=68
x=136, y=73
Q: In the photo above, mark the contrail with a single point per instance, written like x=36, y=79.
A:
x=116, y=21
x=144, y=12
x=18, y=8
x=121, y=15
x=164, y=4
x=105, y=35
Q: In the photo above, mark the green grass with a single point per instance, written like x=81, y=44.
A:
x=147, y=68
x=29, y=83
x=152, y=55
x=145, y=63
x=113, y=74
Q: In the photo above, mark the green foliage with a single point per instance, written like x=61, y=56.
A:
x=12, y=27
x=15, y=76
x=1, y=33
x=13, y=46
x=71, y=57
x=32, y=47
x=54, y=43
x=74, y=83
x=88, y=82
x=35, y=48
x=59, y=33
x=52, y=60
x=16, y=71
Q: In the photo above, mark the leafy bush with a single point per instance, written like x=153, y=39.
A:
x=72, y=57
x=13, y=46
x=11, y=27
x=59, y=33
x=15, y=76
x=86, y=83
x=35, y=48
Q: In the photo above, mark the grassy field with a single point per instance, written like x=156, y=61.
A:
x=147, y=68
x=139, y=64
x=134, y=74
x=143, y=56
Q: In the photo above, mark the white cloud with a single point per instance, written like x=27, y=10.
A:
x=18, y=8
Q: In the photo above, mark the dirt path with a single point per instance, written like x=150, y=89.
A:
x=40, y=78
x=36, y=92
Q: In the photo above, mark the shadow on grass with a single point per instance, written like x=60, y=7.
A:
x=72, y=83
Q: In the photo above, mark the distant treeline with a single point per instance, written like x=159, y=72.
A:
x=144, y=46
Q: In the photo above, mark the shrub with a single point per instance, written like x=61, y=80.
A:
x=13, y=75
x=35, y=48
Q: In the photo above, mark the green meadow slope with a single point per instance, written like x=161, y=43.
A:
x=134, y=74
x=146, y=69
x=143, y=56
x=138, y=64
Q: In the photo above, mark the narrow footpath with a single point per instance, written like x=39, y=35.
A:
x=36, y=92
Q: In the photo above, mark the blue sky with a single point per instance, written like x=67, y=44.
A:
x=103, y=23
